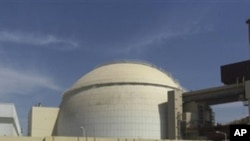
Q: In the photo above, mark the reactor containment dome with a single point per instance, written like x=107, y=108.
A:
x=123, y=99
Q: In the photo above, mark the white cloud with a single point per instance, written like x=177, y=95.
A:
x=154, y=40
x=180, y=28
x=22, y=83
x=163, y=36
x=35, y=39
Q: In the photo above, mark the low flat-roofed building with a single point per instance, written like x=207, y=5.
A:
x=42, y=121
x=9, y=123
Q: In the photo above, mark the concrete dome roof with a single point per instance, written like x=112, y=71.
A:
x=126, y=72
x=122, y=100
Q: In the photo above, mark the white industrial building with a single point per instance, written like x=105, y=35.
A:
x=117, y=100
x=9, y=123
x=121, y=100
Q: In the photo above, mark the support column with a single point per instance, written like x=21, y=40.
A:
x=247, y=96
x=174, y=114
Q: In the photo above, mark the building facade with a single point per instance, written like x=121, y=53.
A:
x=9, y=123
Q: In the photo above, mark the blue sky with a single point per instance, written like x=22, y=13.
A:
x=45, y=46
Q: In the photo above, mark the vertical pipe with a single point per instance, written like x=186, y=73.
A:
x=248, y=22
x=247, y=96
x=247, y=92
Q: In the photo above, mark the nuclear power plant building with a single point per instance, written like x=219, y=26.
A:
x=125, y=100
x=117, y=100
x=130, y=101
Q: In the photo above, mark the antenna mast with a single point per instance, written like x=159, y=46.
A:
x=248, y=22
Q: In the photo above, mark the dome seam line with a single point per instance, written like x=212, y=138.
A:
x=76, y=90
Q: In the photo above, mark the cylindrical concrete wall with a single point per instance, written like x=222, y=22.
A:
x=126, y=100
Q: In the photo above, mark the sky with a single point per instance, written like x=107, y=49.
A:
x=47, y=45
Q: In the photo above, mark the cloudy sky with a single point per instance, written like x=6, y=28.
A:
x=45, y=46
